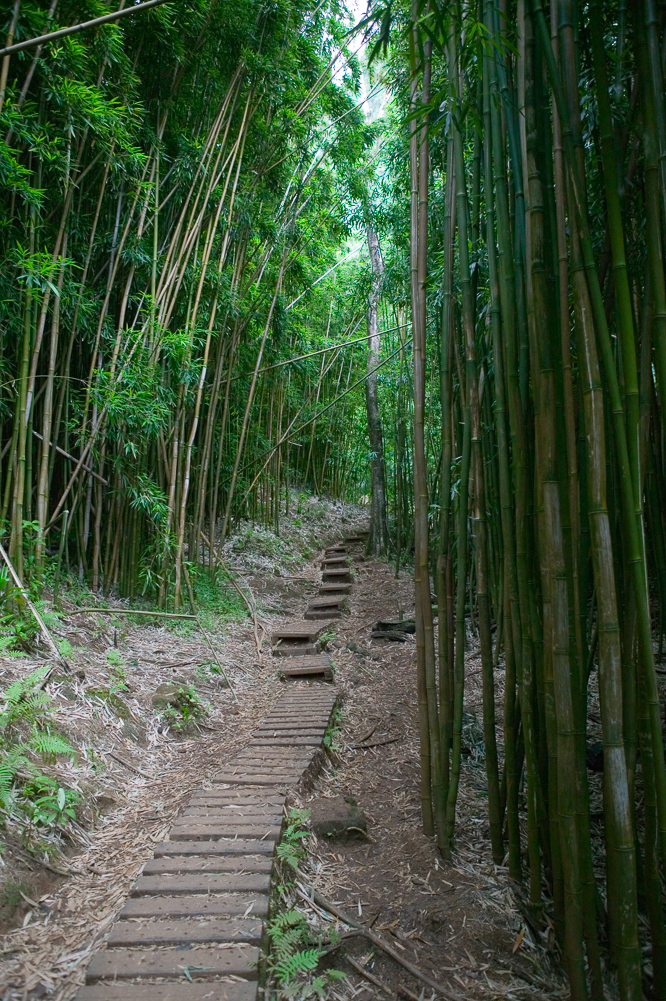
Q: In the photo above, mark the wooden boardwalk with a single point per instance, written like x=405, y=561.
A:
x=193, y=926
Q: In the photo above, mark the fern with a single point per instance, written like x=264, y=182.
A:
x=288, y=942
x=49, y=745
x=285, y=920
x=300, y=962
x=290, y=854
x=24, y=700
x=9, y=765
x=295, y=946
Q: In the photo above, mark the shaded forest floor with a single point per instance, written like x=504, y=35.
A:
x=461, y=922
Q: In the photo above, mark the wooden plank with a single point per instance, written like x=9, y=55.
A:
x=197, y=905
x=181, y=990
x=118, y=964
x=129, y=933
x=298, y=629
x=201, y=882
x=229, y=846
x=207, y=863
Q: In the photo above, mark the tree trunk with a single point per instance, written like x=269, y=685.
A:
x=379, y=537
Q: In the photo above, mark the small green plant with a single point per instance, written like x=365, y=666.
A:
x=326, y=638
x=204, y=670
x=118, y=671
x=185, y=708
x=65, y=648
x=290, y=849
x=333, y=729
x=12, y=897
x=295, y=954
x=46, y=803
x=26, y=793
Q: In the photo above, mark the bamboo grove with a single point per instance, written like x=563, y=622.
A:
x=532, y=147
x=172, y=186
x=182, y=348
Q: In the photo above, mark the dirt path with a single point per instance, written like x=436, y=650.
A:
x=134, y=771
x=458, y=921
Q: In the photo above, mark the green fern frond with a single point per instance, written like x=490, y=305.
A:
x=285, y=945
x=288, y=919
x=300, y=962
x=298, y=815
x=9, y=765
x=24, y=687
x=49, y=744
x=290, y=854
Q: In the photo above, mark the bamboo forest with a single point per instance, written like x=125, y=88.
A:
x=378, y=287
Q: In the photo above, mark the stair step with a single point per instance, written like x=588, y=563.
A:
x=335, y=588
x=298, y=631
x=333, y=576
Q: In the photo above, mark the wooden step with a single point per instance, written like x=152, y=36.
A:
x=335, y=588
x=328, y=601
x=299, y=631
x=296, y=649
x=336, y=576
x=178, y=990
x=302, y=667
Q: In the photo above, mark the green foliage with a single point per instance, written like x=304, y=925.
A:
x=29, y=797
x=295, y=954
x=290, y=848
x=65, y=648
x=185, y=708
x=217, y=598
x=333, y=729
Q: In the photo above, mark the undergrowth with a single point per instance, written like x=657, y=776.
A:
x=30, y=799
x=184, y=708
x=296, y=947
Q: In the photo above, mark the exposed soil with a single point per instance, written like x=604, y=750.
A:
x=459, y=921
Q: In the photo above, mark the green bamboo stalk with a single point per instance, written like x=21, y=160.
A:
x=445, y=667
x=420, y=482
x=512, y=611
x=520, y=614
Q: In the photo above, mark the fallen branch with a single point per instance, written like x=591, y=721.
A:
x=206, y=636
x=40, y=621
x=368, y=734
x=332, y=908
x=129, y=611
x=132, y=768
x=250, y=605
x=34, y=860
x=380, y=983
x=217, y=661
x=376, y=743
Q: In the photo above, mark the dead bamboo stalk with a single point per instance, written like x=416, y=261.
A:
x=381, y=943
x=371, y=978
x=40, y=621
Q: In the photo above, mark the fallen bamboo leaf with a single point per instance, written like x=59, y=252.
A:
x=132, y=768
